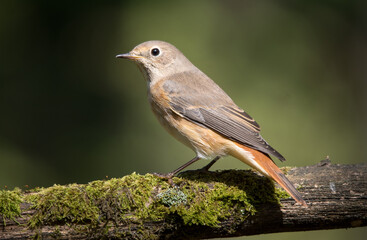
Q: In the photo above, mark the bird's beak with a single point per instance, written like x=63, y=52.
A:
x=128, y=56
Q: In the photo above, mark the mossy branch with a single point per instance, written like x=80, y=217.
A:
x=200, y=205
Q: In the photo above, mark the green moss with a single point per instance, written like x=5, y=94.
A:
x=10, y=204
x=258, y=189
x=281, y=194
x=210, y=203
x=62, y=204
x=286, y=169
x=195, y=199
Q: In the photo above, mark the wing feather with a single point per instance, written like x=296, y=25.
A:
x=198, y=103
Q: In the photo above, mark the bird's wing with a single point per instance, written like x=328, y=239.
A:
x=205, y=103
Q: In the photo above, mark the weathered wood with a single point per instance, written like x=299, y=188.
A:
x=336, y=194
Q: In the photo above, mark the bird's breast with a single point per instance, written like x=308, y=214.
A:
x=160, y=105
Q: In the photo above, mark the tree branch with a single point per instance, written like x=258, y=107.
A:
x=336, y=195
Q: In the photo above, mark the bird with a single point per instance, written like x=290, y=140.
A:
x=199, y=114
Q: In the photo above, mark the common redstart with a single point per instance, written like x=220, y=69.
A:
x=198, y=113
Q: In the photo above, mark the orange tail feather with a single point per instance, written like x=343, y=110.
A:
x=268, y=167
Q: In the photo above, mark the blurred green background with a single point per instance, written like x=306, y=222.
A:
x=71, y=112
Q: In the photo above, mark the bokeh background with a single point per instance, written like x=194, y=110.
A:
x=71, y=112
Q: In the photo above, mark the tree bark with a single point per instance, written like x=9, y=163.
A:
x=336, y=195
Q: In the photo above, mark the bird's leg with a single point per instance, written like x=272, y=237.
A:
x=209, y=165
x=204, y=169
x=170, y=175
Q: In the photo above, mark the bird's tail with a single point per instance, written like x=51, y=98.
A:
x=266, y=166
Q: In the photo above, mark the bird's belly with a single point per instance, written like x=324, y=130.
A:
x=205, y=142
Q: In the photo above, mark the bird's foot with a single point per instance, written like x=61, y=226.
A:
x=165, y=176
x=204, y=169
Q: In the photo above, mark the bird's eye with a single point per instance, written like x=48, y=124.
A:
x=155, y=52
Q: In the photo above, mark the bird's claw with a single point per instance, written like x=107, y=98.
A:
x=165, y=176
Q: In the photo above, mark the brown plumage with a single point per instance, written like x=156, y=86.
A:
x=198, y=113
x=272, y=171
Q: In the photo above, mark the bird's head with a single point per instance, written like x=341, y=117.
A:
x=157, y=59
